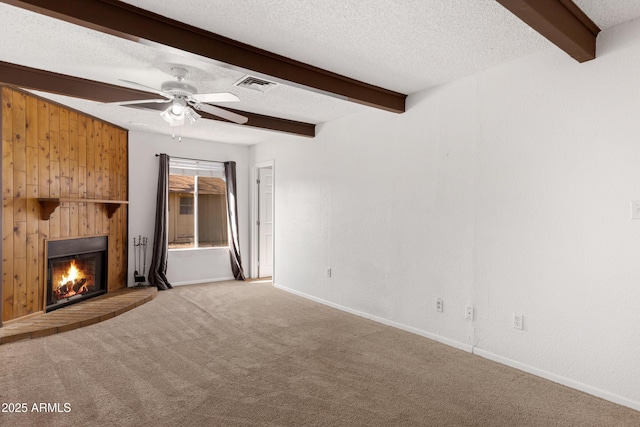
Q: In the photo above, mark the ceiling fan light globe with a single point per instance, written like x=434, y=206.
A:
x=173, y=119
x=166, y=115
x=191, y=116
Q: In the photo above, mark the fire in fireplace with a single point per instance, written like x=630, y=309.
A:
x=76, y=270
x=77, y=281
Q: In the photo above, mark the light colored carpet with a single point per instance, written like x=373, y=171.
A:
x=246, y=354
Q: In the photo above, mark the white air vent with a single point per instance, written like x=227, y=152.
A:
x=255, y=83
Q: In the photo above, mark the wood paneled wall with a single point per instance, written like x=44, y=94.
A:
x=50, y=151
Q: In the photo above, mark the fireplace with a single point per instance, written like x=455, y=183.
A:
x=76, y=270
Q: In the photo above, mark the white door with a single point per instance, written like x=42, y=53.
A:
x=265, y=222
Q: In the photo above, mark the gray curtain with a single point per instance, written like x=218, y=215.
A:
x=232, y=217
x=158, y=268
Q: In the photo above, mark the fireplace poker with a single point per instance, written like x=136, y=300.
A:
x=135, y=257
x=144, y=256
x=140, y=250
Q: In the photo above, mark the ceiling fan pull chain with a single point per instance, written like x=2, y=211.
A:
x=173, y=134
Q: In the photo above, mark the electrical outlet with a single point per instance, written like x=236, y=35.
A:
x=439, y=305
x=468, y=312
x=328, y=272
x=635, y=209
x=518, y=321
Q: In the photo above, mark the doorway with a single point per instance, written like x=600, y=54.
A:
x=263, y=224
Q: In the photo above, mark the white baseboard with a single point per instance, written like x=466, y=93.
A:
x=482, y=353
x=197, y=282
x=559, y=379
x=435, y=337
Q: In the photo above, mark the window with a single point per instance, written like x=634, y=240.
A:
x=186, y=204
x=197, y=204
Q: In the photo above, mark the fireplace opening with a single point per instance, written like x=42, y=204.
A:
x=76, y=270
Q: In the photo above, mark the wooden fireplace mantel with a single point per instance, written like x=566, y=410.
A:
x=48, y=205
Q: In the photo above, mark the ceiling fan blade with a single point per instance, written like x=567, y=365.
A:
x=139, y=101
x=216, y=97
x=217, y=111
x=149, y=88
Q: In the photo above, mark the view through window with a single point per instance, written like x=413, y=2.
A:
x=197, y=204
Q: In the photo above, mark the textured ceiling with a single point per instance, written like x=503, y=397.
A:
x=401, y=45
x=607, y=13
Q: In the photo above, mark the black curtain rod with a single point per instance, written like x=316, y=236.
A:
x=195, y=160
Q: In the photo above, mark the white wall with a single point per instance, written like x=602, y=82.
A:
x=508, y=190
x=184, y=266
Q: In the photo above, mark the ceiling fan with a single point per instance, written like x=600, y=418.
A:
x=185, y=101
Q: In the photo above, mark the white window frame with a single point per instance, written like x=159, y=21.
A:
x=180, y=164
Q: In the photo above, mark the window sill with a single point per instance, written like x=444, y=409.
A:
x=208, y=248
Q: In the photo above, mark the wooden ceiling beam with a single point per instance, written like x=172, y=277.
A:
x=124, y=20
x=61, y=84
x=561, y=22
x=255, y=120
